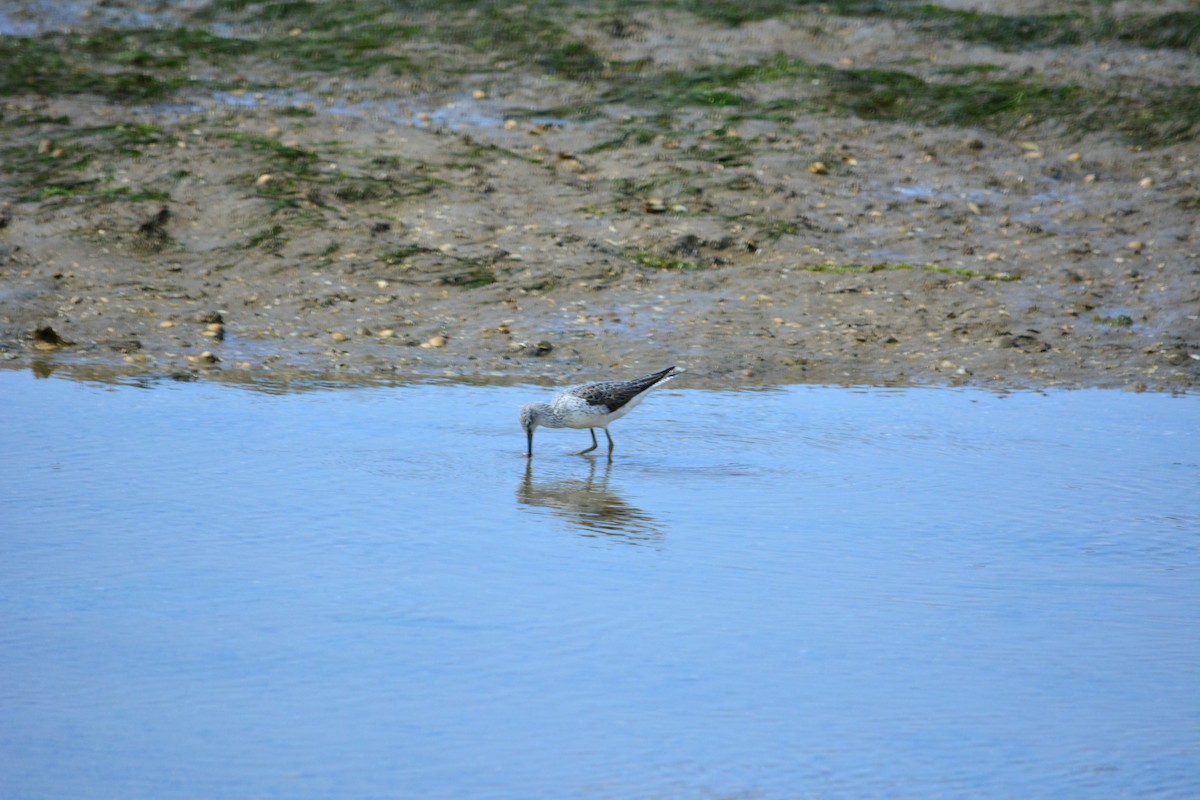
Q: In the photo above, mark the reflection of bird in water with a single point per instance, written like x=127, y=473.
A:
x=590, y=506
x=591, y=406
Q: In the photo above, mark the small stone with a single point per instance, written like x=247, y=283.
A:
x=1146, y=183
x=386, y=333
x=264, y=179
x=542, y=348
x=479, y=94
x=46, y=338
x=993, y=256
x=510, y=124
x=437, y=341
x=818, y=168
x=166, y=323
x=338, y=337
x=1074, y=157
x=1089, y=178
x=653, y=205
x=1136, y=246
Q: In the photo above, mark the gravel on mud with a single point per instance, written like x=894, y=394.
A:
x=647, y=186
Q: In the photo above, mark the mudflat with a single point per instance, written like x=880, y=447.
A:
x=995, y=194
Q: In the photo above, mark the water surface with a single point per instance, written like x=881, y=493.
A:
x=208, y=591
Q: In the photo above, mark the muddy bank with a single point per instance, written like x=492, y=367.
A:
x=649, y=187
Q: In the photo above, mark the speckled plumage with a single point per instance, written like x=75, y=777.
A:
x=591, y=405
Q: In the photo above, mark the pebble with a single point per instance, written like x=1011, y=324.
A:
x=166, y=323
x=818, y=168
x=437, y=341
x=264, y=179
x=479, y=94
x=338, y=337
x=1146, y=183
x=1175, y=357
x=46, y=338
x=1136, y=246
x=204, y=358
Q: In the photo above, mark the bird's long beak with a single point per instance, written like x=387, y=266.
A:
x=529, y=434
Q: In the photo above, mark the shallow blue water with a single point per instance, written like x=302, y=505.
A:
x=818, y=592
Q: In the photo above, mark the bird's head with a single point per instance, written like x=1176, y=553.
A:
x=529, y=417
x=529, y=420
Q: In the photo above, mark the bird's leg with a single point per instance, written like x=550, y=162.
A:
x=595, y=444
x=610, y=443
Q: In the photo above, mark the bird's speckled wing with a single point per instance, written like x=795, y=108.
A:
x=615, y=394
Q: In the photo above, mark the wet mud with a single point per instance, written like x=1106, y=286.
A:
x=800, y=194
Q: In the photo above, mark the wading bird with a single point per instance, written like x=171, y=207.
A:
x=591, y=406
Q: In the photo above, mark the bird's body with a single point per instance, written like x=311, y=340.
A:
x=592, y=405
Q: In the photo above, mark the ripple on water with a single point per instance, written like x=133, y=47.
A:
x=810, y=591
